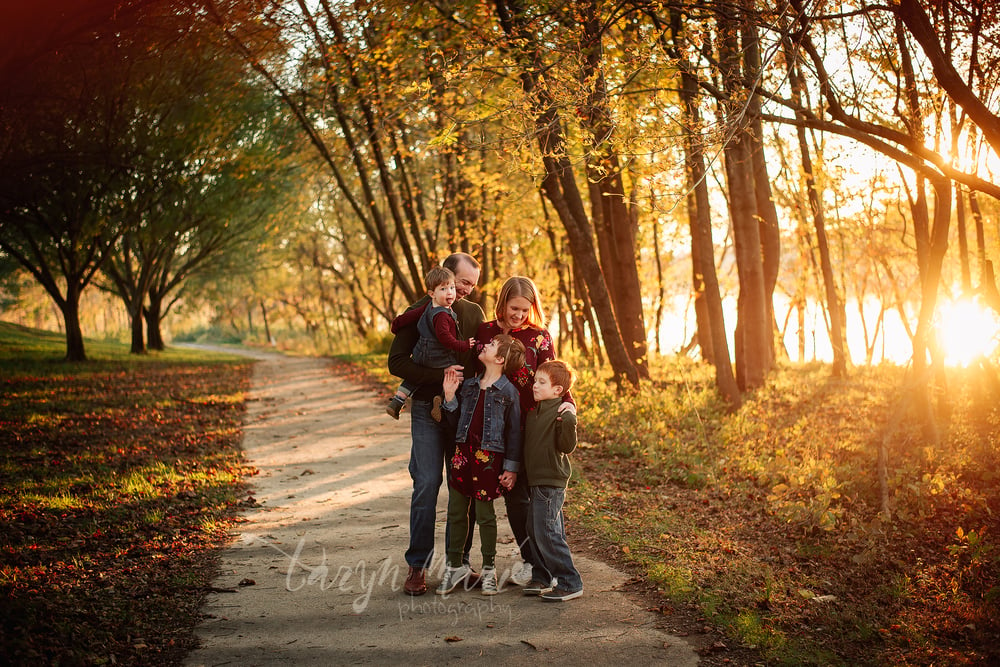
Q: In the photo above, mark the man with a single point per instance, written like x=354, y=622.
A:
x=429, y=439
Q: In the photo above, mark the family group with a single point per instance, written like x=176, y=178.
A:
x=491, y=404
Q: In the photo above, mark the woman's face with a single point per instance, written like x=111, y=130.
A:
x=515, y=314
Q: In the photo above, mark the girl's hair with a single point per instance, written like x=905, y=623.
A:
x=438, y=276
x=560, y=373
x=523, y=287
x=512, y=351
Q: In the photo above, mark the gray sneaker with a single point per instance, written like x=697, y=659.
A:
x=536, y=588
x=559, y=595
x=489, y=581
x=453, y=577
x=521, y=574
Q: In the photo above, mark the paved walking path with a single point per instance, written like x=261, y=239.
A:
x=316, y=575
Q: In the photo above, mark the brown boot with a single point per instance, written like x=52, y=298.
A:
x=415, y=584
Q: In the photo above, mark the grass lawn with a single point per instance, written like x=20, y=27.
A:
x=119, y=479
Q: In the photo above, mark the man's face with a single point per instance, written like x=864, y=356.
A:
x=466, y=278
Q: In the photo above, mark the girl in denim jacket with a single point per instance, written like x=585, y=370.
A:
x=486, y=414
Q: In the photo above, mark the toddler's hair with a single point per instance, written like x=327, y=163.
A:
x=560, y=373
x=512, y=351
x=438, y=276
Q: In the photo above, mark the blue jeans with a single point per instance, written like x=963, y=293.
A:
x=546, y=528
x=518, y=514
x=429, y=450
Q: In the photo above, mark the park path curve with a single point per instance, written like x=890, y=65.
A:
x=315, y=575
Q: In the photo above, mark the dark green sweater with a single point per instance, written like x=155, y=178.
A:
x=548, y=438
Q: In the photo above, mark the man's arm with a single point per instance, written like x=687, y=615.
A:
x=400, y=361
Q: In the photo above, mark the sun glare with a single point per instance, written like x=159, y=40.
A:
x=967, y=331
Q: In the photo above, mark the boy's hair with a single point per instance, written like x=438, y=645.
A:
x=560, y=373
x=512, y=351
x=523, y=287
x=438, y=276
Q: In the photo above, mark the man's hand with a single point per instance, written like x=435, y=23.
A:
x=507, y=479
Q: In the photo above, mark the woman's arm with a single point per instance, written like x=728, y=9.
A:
x=566, y=432
x=546, y=353
x=513, y=435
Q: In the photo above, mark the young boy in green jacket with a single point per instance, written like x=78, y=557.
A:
x=548, y=437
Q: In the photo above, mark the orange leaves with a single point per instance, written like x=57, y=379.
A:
x=106, y=496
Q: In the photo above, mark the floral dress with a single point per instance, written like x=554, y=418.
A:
x=473, y=471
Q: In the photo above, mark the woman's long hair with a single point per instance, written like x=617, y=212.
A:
x=523, y=287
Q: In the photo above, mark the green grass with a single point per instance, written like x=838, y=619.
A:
x=751, y=515
x=118, y=473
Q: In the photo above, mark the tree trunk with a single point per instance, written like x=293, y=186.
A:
x=711, y=326
x=610, y=212
x=753, y=329
x=267, y=326
x=767, y=215
x=661, y=292
x=138, y=340
x=560, y=187
x=928, y=303
x=70, y=308
x=835, y=305
x=154, y=315
x=963, y=240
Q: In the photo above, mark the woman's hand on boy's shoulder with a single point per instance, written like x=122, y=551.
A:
x=566, y=406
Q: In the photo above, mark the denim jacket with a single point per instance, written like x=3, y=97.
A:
x=501, y=418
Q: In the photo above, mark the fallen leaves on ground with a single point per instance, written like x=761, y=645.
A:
x=118, y=484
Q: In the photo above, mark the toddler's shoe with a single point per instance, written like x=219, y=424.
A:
x=436, y=408
x=394, y=406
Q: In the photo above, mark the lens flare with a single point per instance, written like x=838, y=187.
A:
x=967, y=331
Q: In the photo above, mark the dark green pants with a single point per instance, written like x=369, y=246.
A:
x=458, y=528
